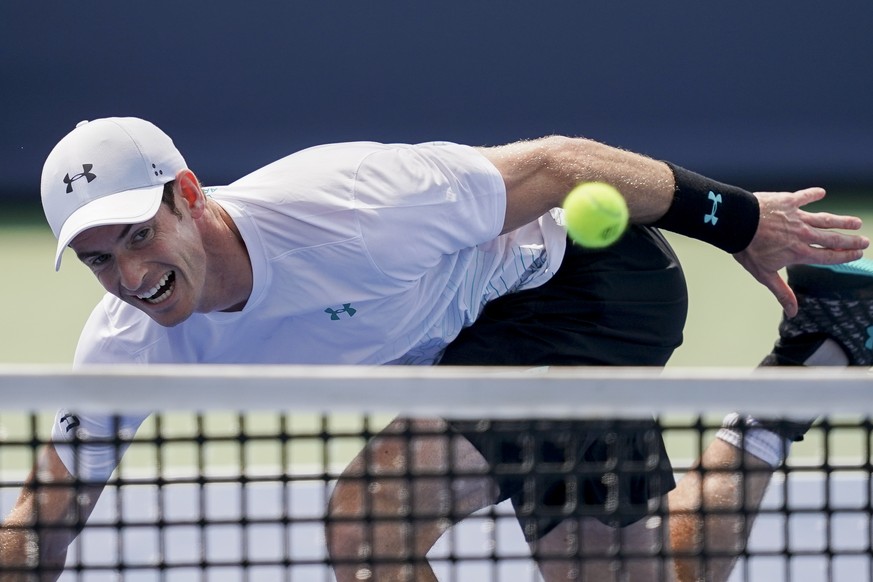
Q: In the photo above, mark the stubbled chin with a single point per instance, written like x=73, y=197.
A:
x=170, y=316
x=167, y=321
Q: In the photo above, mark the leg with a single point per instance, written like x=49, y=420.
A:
x=712, y=511
x=836, y=301
x=398, y=496
x=833, y=328
x=588, y=479
x=587, y=549
x=622, y=306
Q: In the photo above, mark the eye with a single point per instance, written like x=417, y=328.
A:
x=97, y=260
x=141, y=234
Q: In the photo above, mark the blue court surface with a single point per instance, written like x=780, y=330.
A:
x=824, y=545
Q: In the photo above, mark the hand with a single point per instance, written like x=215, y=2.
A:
x=787, y=235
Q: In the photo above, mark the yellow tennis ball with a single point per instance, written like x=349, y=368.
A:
x=596, y=214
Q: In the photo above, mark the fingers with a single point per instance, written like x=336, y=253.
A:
x=772, y=281
x=826, y=244
x=804, y=233
x=830, y=239
x=823, y=256
x=810, y=195
x=783, y=293
x=823, y=233
x=827, y=220
x=825, y=248
x=788, y=235
x=797, y=199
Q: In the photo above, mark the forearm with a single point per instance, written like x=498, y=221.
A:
x=30, y=549
x=48, y=515
x=19, y=545
x=538, y=175
x=26, y=555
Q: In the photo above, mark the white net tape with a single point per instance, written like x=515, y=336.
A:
x=455, y=391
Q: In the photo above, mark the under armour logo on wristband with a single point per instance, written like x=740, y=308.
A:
x=739, y=208
x=85, y=173
x=347, y=308
x=711, y=218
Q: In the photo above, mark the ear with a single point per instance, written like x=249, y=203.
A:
x=188, y=188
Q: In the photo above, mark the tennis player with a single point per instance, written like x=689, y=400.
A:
x=367, y=253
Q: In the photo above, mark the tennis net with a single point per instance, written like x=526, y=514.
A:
x=230, y=478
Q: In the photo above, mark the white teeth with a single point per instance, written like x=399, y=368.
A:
x=149, y=295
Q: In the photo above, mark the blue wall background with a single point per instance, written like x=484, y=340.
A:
x=765, y=93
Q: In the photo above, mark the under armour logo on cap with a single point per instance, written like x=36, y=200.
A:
x=85, y=173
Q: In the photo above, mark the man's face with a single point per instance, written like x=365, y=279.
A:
x=158, y=266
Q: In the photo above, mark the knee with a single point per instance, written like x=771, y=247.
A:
x=347, y=535
x=344, y=527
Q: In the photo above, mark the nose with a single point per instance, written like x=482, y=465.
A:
x=131, y=272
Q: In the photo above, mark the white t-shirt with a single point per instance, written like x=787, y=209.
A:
x=361, y=253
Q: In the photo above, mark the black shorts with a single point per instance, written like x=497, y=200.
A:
x=621, y=306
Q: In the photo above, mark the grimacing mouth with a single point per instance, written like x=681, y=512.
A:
x=161, y=291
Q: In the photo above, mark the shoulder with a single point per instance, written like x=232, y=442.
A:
x=329, y=161
x=438, y=157
x=354, y=161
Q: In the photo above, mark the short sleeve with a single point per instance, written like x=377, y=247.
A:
x=91, y=445
x=418, y=203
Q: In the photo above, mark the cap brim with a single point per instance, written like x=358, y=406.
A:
x=127, y=207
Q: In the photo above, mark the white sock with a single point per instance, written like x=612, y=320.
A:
x=829, y=353
x=744, y=432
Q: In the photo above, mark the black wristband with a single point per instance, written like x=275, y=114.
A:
x=722, y=215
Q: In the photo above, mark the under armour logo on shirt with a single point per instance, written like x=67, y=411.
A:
x=347, y=309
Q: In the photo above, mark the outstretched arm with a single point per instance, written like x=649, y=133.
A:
x=538, y=175
x=51, y=510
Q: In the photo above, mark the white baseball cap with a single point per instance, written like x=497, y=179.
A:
x=106, y=171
